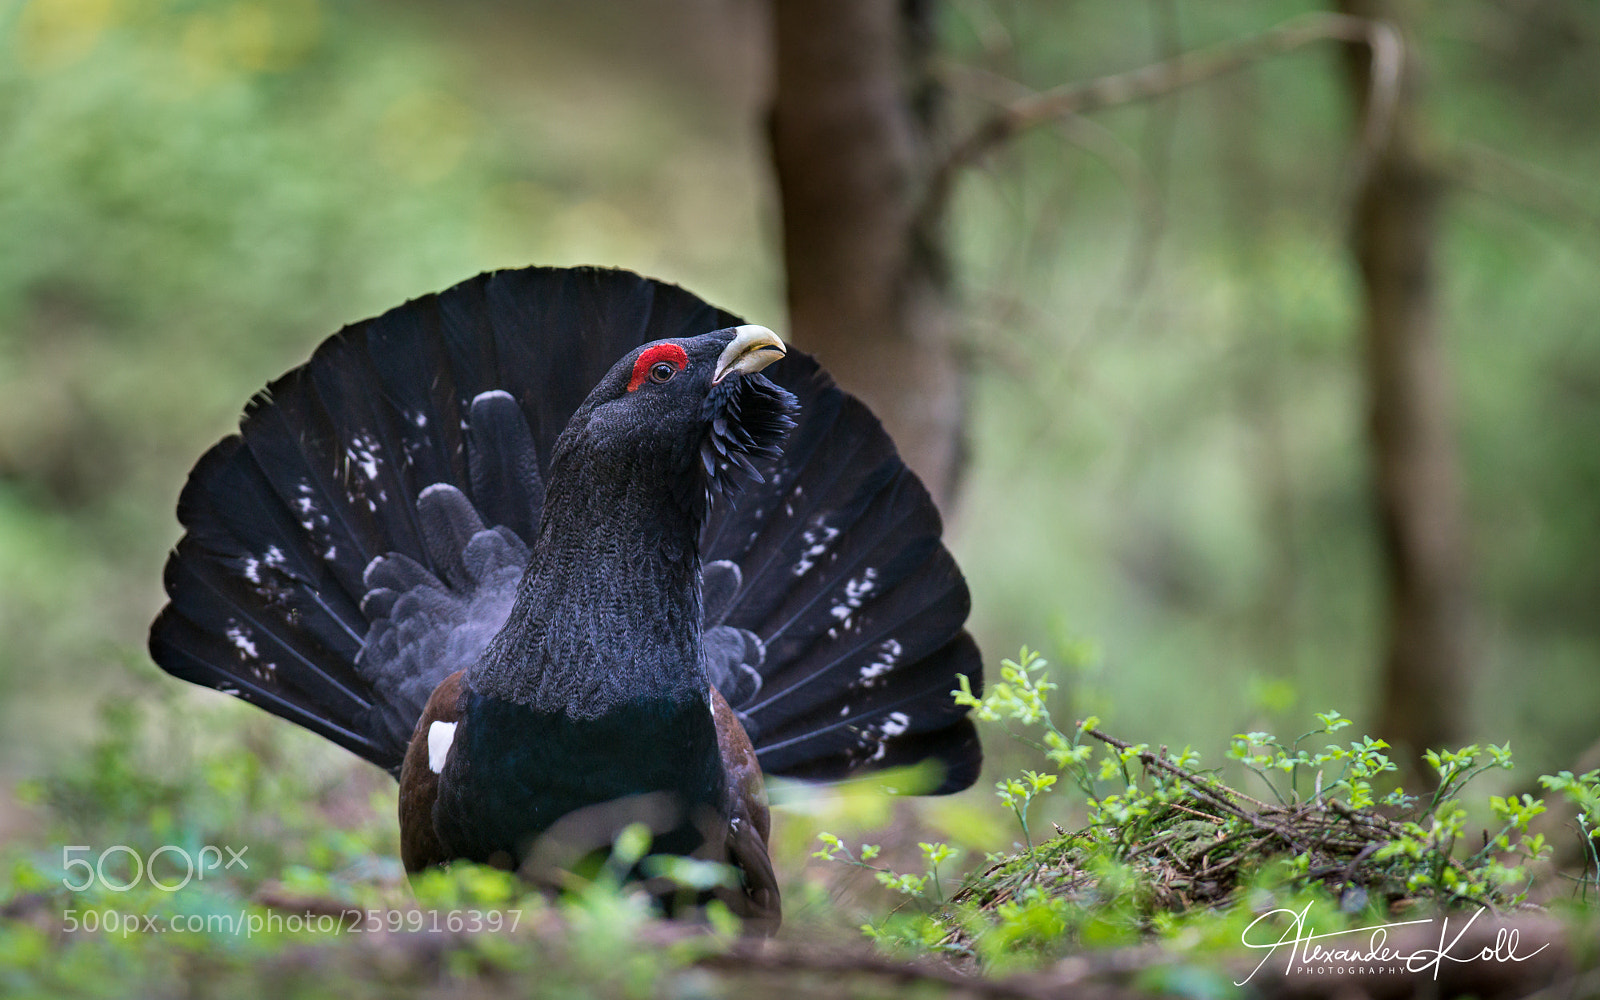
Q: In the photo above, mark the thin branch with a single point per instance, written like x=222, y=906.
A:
x=1204, y=791
x=1183, y=71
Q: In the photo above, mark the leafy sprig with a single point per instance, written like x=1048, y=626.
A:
x=1154, y=813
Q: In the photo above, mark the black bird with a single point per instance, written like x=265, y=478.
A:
x=553, y=549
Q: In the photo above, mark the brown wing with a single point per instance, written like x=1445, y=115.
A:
x=419, y=783
x=749, y=824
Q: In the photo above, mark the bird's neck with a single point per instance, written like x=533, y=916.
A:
x=609, y=611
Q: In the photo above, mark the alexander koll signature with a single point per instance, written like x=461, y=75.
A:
x=1303, y=950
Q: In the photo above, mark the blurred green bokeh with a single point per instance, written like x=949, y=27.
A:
x=1167, y=419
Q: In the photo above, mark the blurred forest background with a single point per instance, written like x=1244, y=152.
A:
x=1167, y=483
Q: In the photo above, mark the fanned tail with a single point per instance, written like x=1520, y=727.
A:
x=362, y=536
x=321, y=486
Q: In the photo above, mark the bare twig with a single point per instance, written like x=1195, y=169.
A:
x=1180, y=807
x=1204, y=790
x=1183, y=71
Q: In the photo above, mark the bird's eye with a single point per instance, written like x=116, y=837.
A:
x=657, y=363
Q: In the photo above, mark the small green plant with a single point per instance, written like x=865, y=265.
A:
x=1166, y=836
x=1584, y=793
x=100, y=899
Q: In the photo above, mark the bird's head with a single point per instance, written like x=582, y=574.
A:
x=695, y=411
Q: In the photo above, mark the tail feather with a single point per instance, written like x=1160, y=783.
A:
x=418, y=397
x=577, y=323
x=815, y=708
x=375, y=467
x=220, y=641
x=279, y=435
x=881, y=545
x=842, y=576
x=251, y=558
x=828, y=667
x=230, y=503
x=504, y=466
x=182, y=650
x=364, y=534
x=449, y=523
x=915, y=722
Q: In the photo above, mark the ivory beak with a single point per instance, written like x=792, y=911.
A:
x=752, y=349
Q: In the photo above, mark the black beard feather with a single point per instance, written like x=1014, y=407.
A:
x=747, y=419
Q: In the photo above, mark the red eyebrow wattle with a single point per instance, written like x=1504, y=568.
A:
x=672, y=354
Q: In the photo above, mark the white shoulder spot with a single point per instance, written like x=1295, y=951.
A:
x=440, y=736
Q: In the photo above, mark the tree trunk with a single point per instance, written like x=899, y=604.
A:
x=853, y=116
x=1426, y=676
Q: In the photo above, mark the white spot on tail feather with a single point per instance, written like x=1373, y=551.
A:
x=892, y=725
x=856, y=591
x=256, y=570
x=241, y=641
x=889, y=651
x=440, y=736
x=363, y=454
x=312, y=519
x=817, y=539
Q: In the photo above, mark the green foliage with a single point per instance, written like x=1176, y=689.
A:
x=1583, y=792
x=1168, y=407
x=117, y=898
x=1166, y=430
x=191, y=194
x=1168, y=843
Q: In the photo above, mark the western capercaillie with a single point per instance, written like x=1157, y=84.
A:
x=558, y=550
